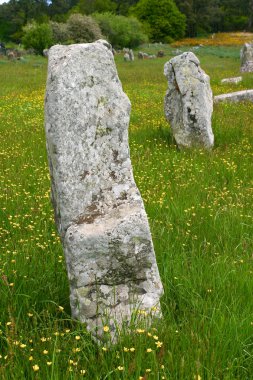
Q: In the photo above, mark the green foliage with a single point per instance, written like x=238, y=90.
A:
x=37, y=36
x=92, y=6
x=83, y=28
x=121, y=31
x=60, y=32
x=161, y=19
x=216, y=16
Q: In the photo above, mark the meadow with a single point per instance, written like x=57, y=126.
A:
x=200, y=211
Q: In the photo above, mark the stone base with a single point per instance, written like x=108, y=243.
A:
x=247, y=67
x=112, y=269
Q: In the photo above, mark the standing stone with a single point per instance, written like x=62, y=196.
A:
x=131, y=55
x=45, y=53
x=188, y=102
x=127, y=57
x=99, y=212
x=247, y=58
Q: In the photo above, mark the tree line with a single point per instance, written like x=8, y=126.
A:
x=158, y=20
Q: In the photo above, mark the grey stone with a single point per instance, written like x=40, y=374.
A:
x=238, y=96
x=45, y=53
x=177, y=52
x=247, y=58
x=131, y=55
x=234, y=80
x=127, y=57
x=188, y=102
x=99, y=211
x=142, y=55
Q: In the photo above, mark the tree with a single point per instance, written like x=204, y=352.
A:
x=60, y=32
x=83, y=28
x=37, y=36
x=17, y=13
x=121, y=31
x=123, y=6
x=91, y=6
x=58, y=9
x=161, y=18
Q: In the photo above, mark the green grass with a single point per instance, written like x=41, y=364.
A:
x=200, y=211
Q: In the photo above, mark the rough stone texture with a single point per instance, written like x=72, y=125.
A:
x=98, y=209
x=142, y=55
x=131, y=55
x=127, y=57
x=234, y=80
x=247, y=58
x=238, y=96
x=188, y=102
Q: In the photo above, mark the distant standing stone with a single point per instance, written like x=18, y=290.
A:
x=131, y=55
x=234, y=80
x=238, y=96
x=188, y=102
x=127, y=57
x=247, y=58
x=99, y=211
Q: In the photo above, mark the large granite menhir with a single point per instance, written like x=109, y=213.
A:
x=188, y=103
x=98, y=209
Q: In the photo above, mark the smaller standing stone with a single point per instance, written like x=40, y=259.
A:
x=247, y=58
x=126, y=57
x=189, y=102
x=45, y=53
x=131, y=55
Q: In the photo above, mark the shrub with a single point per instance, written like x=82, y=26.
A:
x=83, y=28
x=60, y=32
x=121, y=31
x=37, y=36
x=161, y=19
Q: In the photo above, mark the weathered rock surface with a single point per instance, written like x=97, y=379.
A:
x=131, y=55
x=127, y=57
x=188, y=102
x=142, y=55
x=247, y=58
x=234, y=80
x=238, y=96
x=99, y=211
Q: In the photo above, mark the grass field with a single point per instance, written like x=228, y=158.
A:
x=200, y=211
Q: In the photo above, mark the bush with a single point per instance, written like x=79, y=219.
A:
x=60, y=32
x=37, y=36
x=161, y=19
x=83, y=28
x=121, y=31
